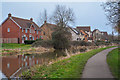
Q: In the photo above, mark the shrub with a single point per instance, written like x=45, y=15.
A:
x=29, y=41
x=81, y=43
x=43, y=43
x=61, y=39
x=98, y=43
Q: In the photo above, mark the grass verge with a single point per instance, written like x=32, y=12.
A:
x=67, y=68
x=14, y=46
x=112, y=60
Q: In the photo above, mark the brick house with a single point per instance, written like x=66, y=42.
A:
x=16, y=30
x=46, y=30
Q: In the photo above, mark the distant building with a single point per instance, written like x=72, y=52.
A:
x=86, y=29
x=16, y=30
x=98, y=35
x=78, y=35
x=104, y=36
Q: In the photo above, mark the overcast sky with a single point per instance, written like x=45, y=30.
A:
x=87, y=13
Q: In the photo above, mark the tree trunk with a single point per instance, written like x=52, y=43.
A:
x=66, y=51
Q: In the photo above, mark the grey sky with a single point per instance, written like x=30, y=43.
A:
x=87, y=13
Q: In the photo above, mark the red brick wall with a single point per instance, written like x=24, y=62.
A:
x=16, y=32
x=14, y=29
x=48, y=32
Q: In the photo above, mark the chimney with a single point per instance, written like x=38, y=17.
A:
x=9, y=15
x=31, y=19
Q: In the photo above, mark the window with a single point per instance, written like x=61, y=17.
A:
x=44, y=33
x=8, y=29
x=8, y=65
x=30, y=30
x=25, y=30
x=37, y=37
x=26, y=64
x=25, y=38
x=37, y=32
x=22, y=30
x=33, y=38
x=77, y=39
x=37, y=61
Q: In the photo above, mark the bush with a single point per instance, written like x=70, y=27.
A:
x=29, y=41
x=61, y=39
x=98, y=43
x=43, y=43
x=81, y=43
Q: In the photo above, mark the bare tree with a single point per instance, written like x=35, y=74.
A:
x=63, y=16
x=42, y=17
x=112, y=9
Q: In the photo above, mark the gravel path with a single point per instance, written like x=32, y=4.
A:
x=97, y=66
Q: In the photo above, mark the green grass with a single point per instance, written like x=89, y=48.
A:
x=112, y=60
x=15, y=46
x=67, y=68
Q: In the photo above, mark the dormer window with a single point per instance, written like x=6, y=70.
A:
x=8, y=29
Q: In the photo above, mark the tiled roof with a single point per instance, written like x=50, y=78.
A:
x=95, y=30
x=84, y=28
x=74, y=30
x=51, y=26
x=25, y=23
x=105, y=33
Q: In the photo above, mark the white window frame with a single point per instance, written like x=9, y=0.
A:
x=8, y=30
x=26, y=30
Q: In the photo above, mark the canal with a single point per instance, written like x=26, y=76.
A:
x=13, y=65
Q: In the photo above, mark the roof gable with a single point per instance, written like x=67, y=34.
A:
x=22, y=23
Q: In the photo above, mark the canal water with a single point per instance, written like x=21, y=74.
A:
x=12, y=65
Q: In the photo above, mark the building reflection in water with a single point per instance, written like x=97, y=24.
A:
x=11, y=64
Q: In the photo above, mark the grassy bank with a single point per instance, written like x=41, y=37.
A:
x=67, y=68
x=14, y=46
x=112, y=60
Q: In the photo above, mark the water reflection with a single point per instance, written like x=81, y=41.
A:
x=12, y=65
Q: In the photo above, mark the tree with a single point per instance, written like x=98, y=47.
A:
x=112, y=10
x=43, y=17
x=62, y=17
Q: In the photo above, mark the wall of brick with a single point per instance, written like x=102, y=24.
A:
x=15, y=32
x=48, y=32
